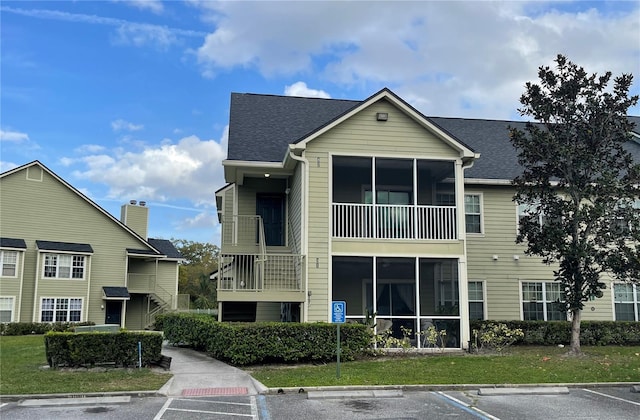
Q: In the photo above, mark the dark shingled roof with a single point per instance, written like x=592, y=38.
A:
x=116, y=292
x=13, y=243
x=166, y=247
x=262, y=126
x=63, y=246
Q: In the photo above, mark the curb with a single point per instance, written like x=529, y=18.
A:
x=634, y=387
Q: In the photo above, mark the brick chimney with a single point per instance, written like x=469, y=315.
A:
x=136, y=216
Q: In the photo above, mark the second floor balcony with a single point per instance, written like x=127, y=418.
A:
x=393, y=198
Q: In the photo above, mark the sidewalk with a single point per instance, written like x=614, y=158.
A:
x=196, y=374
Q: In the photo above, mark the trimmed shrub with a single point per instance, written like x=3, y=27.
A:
x=592, y=333
x=28, y=328
x=96, y=348
x=264, y=342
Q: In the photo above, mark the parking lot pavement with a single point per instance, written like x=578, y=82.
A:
x=218, y=408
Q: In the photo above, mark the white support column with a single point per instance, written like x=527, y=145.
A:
x=463, y=287
x=459, y=182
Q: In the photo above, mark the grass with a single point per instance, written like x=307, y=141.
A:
x=519, y=365
x=22, y=359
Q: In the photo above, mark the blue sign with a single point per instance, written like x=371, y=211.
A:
x=338, y=311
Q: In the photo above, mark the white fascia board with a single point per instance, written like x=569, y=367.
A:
x=482, y=181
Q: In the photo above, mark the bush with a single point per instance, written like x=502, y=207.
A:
x=27, y=328
x=94, y=348
x=496, y=336
x=264, y=342
x=592, y=333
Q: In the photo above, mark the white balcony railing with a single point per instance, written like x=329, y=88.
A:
x=386, y=221
x=260, y=272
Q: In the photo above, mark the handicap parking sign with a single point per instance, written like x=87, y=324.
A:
x=338, y=312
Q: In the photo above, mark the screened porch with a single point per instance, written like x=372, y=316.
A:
x=404, y=294
x=384, y=198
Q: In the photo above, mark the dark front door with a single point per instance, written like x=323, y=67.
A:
x=271, y=208
x=113, y=312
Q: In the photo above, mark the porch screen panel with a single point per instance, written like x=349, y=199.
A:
x=350, y=278
x=439, y=287
x=396, y=287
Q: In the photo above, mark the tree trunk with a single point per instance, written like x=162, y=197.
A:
x=575, y=332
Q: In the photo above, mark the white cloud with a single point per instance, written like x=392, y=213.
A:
x=154, y=6
x=301, y=89
x=127, y=32
x=447, y=58
x=14, y=136
x=120, y=125
x=7, y=166
x=188, y=169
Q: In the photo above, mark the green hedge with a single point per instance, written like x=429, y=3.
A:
x=264, y=342
x=28, y=328
x=92, y=348
x=592, y=333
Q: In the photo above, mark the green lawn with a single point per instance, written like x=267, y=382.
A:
x=520, y=365
x=22, y=358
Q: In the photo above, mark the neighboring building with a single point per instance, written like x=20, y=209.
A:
x=370, y=202
x=64, y=258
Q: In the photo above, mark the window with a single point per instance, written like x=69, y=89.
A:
x=542, y=301
x=64, y=266
x=6, y=309
x=626, y=298
x=525, y=210
x=8, y=262
x=61, y=310
x=473, y=213
x=476, y=300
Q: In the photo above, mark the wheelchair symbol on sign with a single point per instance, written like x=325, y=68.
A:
x=337, y=307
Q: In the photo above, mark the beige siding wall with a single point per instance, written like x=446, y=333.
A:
x=45, y=209
x=136, y=312
x=227, y=211
x=268, y=311
x=295, y=209
x=400, y=136
x=503, y=276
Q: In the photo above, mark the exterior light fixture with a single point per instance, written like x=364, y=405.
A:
x=267, y=175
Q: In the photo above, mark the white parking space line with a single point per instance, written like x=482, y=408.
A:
x=252, y=405
x=186, y=410
x=611, y=396
x=466, y=407
x=163, y=409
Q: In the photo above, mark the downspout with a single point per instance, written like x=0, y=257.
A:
x=463, y=283
x=304, y=198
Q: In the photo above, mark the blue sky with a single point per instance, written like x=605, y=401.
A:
x=129, y=99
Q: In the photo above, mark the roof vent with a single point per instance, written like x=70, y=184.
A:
x=143, y=203
x=382, y=116
x=133, y=202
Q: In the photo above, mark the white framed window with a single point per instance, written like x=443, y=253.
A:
x=9, y=263
x=626, y=298
x=473, y=213
x=61, y=310
x=542, y=301
x=64, y=266
x=526, y=210
x=6, y=308
x=476, y=300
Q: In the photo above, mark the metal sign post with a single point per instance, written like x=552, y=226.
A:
x=339, y=310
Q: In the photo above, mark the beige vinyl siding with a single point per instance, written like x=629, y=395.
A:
x=295, y=210
x=167, y=278
x=48, y=210
x=227, y=212
x=400, y=136
x=268, y=311
x=503, y=276
x=136, y=312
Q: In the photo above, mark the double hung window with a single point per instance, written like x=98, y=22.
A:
x=6, y=308
x=626, y=299
x=542, y=301
x=8, y=262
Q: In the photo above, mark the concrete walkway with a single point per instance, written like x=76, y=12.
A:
x=196, y=374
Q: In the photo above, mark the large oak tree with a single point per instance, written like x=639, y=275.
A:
x=580, y=182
